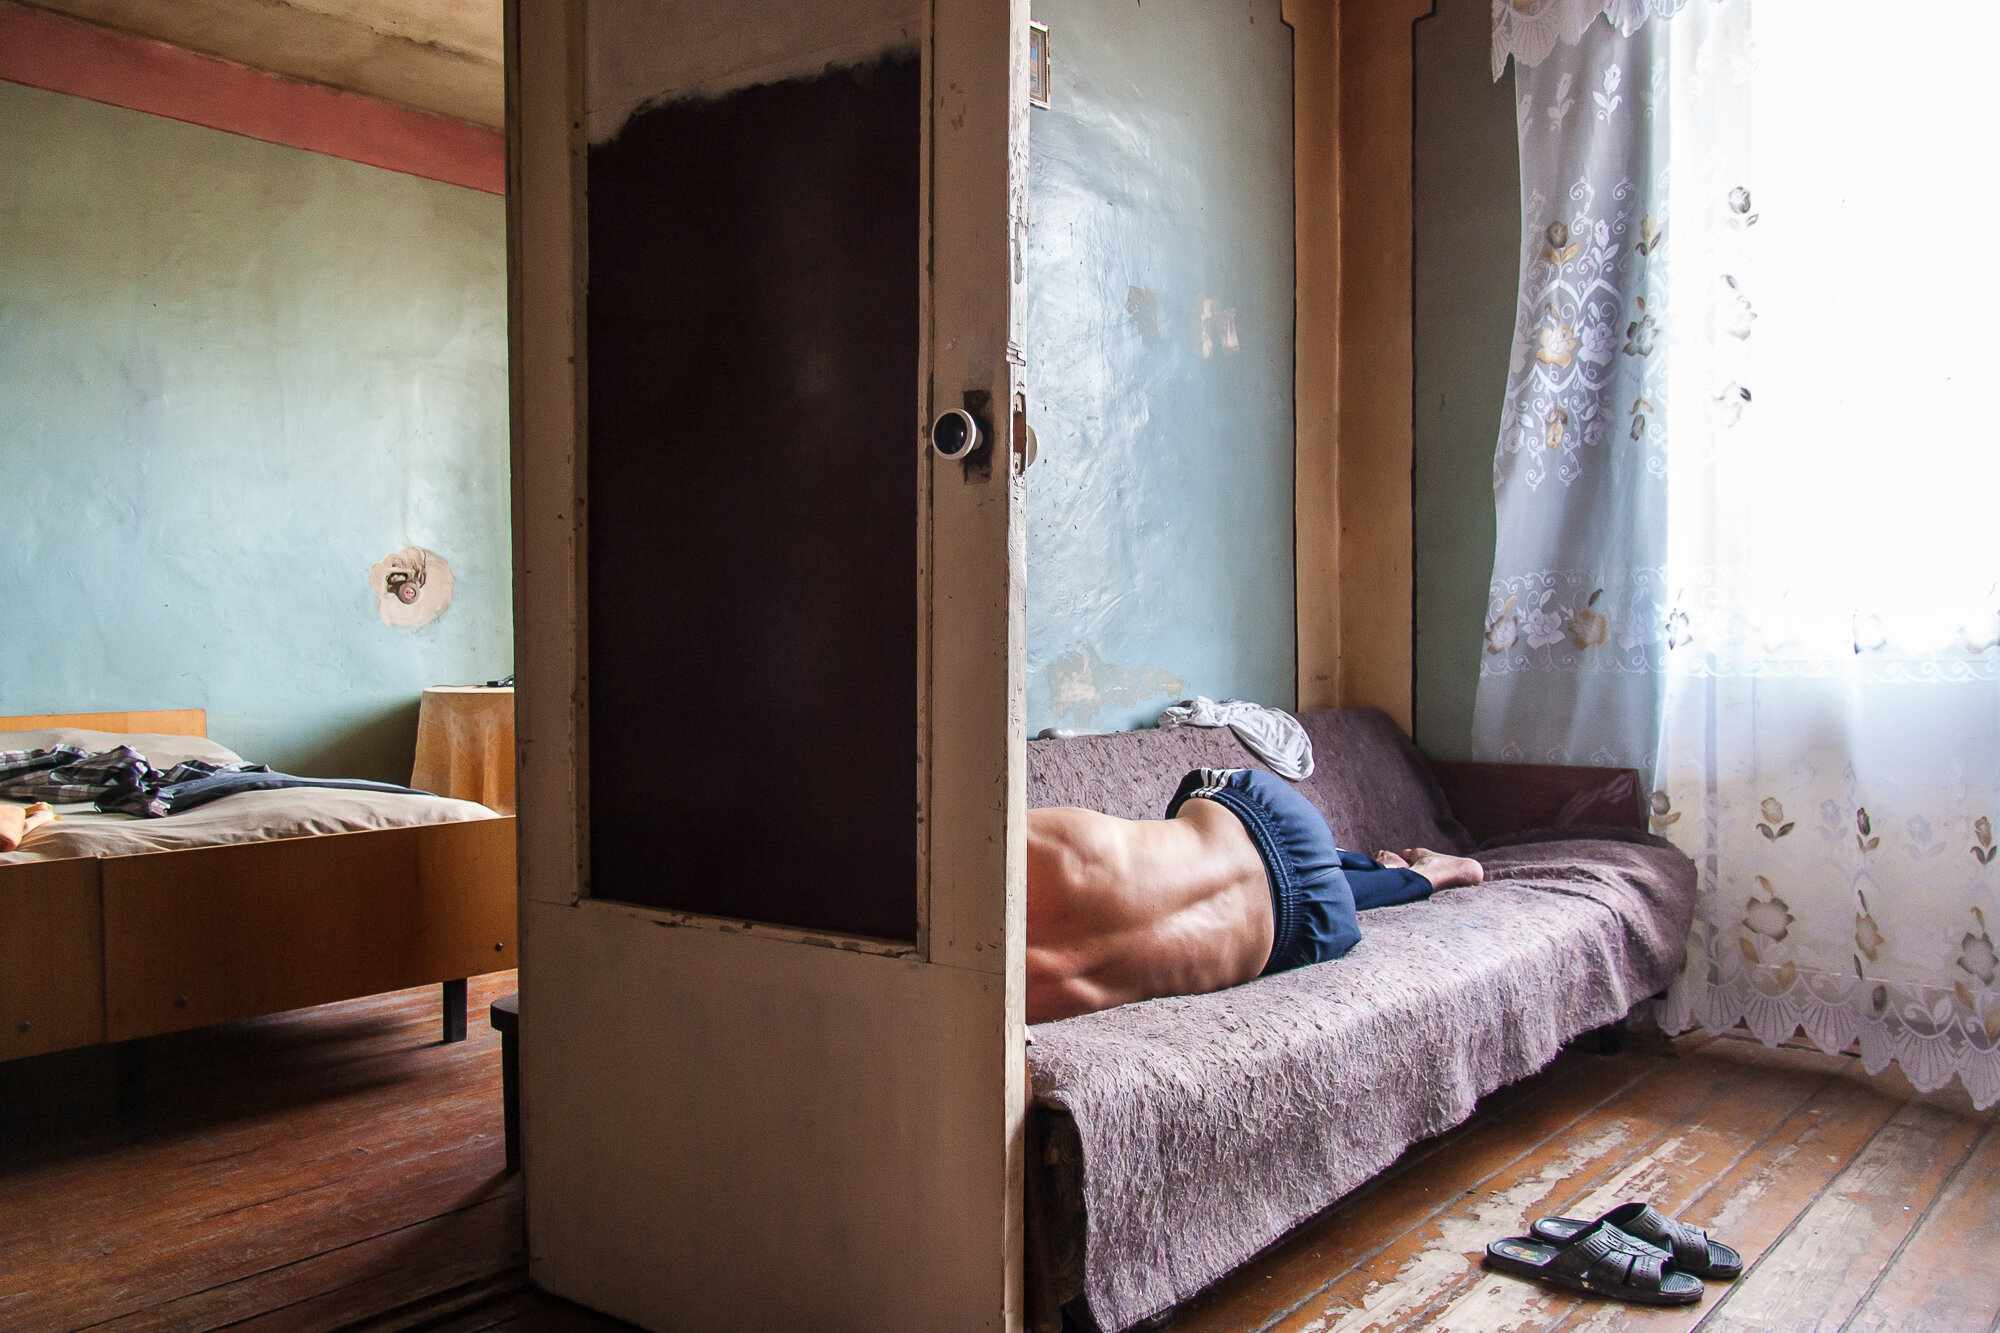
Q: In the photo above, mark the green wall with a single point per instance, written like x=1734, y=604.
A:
x=235, y=375
x=1467, y=196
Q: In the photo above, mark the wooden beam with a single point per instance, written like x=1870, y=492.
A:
x=1316, y=365
x=157, y=722
x=439, y=56
x=63, y=55
x=546, y=366
x=1352, y=71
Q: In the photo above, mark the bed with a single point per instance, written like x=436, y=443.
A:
x=116, y=930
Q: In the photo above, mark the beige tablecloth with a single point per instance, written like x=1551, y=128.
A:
x=465, y=745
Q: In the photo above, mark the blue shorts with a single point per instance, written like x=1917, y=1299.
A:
x=1316, y=888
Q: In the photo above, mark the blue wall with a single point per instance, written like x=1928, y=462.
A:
x=1160, y=315
x=235, y=376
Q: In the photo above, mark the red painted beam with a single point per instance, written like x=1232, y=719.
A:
x=63, y=55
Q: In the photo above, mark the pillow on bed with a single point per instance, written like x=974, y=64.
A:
x=160, y=751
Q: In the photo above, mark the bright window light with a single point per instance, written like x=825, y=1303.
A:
x=1857, y=500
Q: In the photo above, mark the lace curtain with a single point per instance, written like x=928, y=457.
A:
x=1575, y=650
x=1745, y=482
x=1529, y=29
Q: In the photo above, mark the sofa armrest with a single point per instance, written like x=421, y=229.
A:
x=1494, y=799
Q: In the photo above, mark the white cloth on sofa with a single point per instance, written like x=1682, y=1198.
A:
x=1271, y=734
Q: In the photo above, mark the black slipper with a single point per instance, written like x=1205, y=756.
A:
x=1690, y=1246
x=1600, y=1259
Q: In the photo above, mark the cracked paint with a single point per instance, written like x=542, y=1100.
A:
x=1456, y=1249
x=1159, y=346
x=1081, y=685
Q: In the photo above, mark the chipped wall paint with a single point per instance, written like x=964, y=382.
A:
x=641, y=52
x=236, y=375
x=1466, y=186
x=1082, y=685
x=1160, y=315
x=412, y=586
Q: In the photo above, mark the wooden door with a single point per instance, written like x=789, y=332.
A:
x=770, y=657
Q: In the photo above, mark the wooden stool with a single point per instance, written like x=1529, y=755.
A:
x=505, y=1015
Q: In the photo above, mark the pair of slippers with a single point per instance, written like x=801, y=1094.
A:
x=1632, y=1253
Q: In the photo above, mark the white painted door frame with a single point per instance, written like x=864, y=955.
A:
x=731, y=1127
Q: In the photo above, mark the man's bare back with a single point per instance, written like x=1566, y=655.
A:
x=1122, y=910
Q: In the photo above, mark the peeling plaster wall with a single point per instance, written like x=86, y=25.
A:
x=1159, y=366
x=1467, y=197
x=236, y=376
x=641, y=53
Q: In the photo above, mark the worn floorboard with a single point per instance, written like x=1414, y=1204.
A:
x=1425, y=1271
x=1944, y=1275
x=339, y=1168
x=303, y=1171
x=1670, y=1169
x=1751, y=1205
x=1857, y=1204
x=1416, y=1190
x=1828, y=1262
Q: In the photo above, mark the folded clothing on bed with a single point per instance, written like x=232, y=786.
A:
x=121, y=781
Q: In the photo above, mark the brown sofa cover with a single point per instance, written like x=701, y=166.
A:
x=1177, y=1137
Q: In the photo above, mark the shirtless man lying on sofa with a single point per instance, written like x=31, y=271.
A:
x=1241, y=879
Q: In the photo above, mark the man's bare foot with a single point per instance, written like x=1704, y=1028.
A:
x=1444, y=872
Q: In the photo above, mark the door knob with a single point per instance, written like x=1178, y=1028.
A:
x=954, y=434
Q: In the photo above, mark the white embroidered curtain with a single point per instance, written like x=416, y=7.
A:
x=1784, y=488
x=1573, y=660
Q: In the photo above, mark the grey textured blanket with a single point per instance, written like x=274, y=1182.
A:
x=1210, y=1125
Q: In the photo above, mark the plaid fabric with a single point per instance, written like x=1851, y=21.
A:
x=118, y=781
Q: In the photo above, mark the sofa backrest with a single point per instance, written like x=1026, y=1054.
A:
x=1368, y=779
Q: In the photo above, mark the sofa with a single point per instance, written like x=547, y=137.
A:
x=1171, y=1140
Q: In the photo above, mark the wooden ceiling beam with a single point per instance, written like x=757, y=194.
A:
x=435, y=56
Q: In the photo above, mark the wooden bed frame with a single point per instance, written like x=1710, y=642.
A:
x=121, y=948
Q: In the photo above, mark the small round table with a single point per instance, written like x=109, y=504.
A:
x=465, y=744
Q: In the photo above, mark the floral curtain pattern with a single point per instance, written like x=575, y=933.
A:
x=1529, y=29
x=1576, y=624
x=1787, y=606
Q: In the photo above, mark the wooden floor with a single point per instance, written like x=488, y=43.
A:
x=1856, y=1204
x=331, y=1168
x=339, y=1168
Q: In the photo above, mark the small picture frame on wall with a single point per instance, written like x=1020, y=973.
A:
x=1038, y=64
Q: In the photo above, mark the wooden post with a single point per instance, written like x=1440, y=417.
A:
x=1352, y=89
